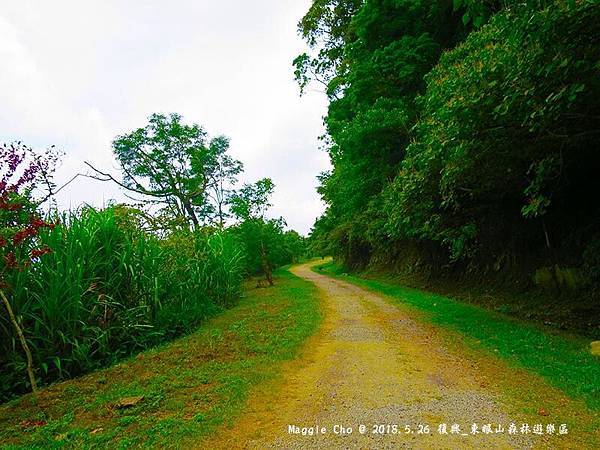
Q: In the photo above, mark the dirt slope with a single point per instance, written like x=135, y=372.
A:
x=376, y=364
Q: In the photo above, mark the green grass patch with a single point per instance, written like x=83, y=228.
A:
x=562, y=359
x=189, y=387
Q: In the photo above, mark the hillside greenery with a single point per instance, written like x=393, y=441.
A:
x=463, y=137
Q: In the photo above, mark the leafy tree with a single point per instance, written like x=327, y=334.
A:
x=176, y=167
x=508, y=134
x=253, y=200
x=326, y=28
x=249, y=206
x=294, y=246
x=222, y=178
x=384, y=48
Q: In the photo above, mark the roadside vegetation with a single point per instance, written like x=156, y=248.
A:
x=180, y=391
x=562, y=359
x=463, y=139
x=83, y=289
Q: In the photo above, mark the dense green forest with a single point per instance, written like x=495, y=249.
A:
x=464, y=140
x=85, y=288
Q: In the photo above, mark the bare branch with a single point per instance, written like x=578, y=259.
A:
x=140, y=190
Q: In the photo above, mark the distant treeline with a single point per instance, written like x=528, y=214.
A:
x=463, y=134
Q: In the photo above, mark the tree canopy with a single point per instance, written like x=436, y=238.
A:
x=467, y=130
x=177, y=167
x=267, y=244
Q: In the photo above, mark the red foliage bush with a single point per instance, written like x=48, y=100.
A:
x=22, y=170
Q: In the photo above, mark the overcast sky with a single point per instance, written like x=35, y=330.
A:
x=78, y=73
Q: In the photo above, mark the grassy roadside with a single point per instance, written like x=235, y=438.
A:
x=562, y=359
x=189, y=386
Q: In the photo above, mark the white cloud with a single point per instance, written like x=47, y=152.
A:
x=76, y=74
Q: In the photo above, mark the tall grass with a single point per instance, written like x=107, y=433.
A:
x=109, y=289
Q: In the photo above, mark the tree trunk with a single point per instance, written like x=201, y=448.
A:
x=266, y=266
x=554, y=257
x=191, y=213
x=23, y=342
x=221, y=221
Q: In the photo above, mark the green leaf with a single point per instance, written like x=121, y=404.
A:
x=466, y=18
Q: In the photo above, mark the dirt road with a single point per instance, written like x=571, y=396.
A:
x=377, y=365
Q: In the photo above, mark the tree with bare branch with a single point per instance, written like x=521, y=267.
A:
x=176, y=167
